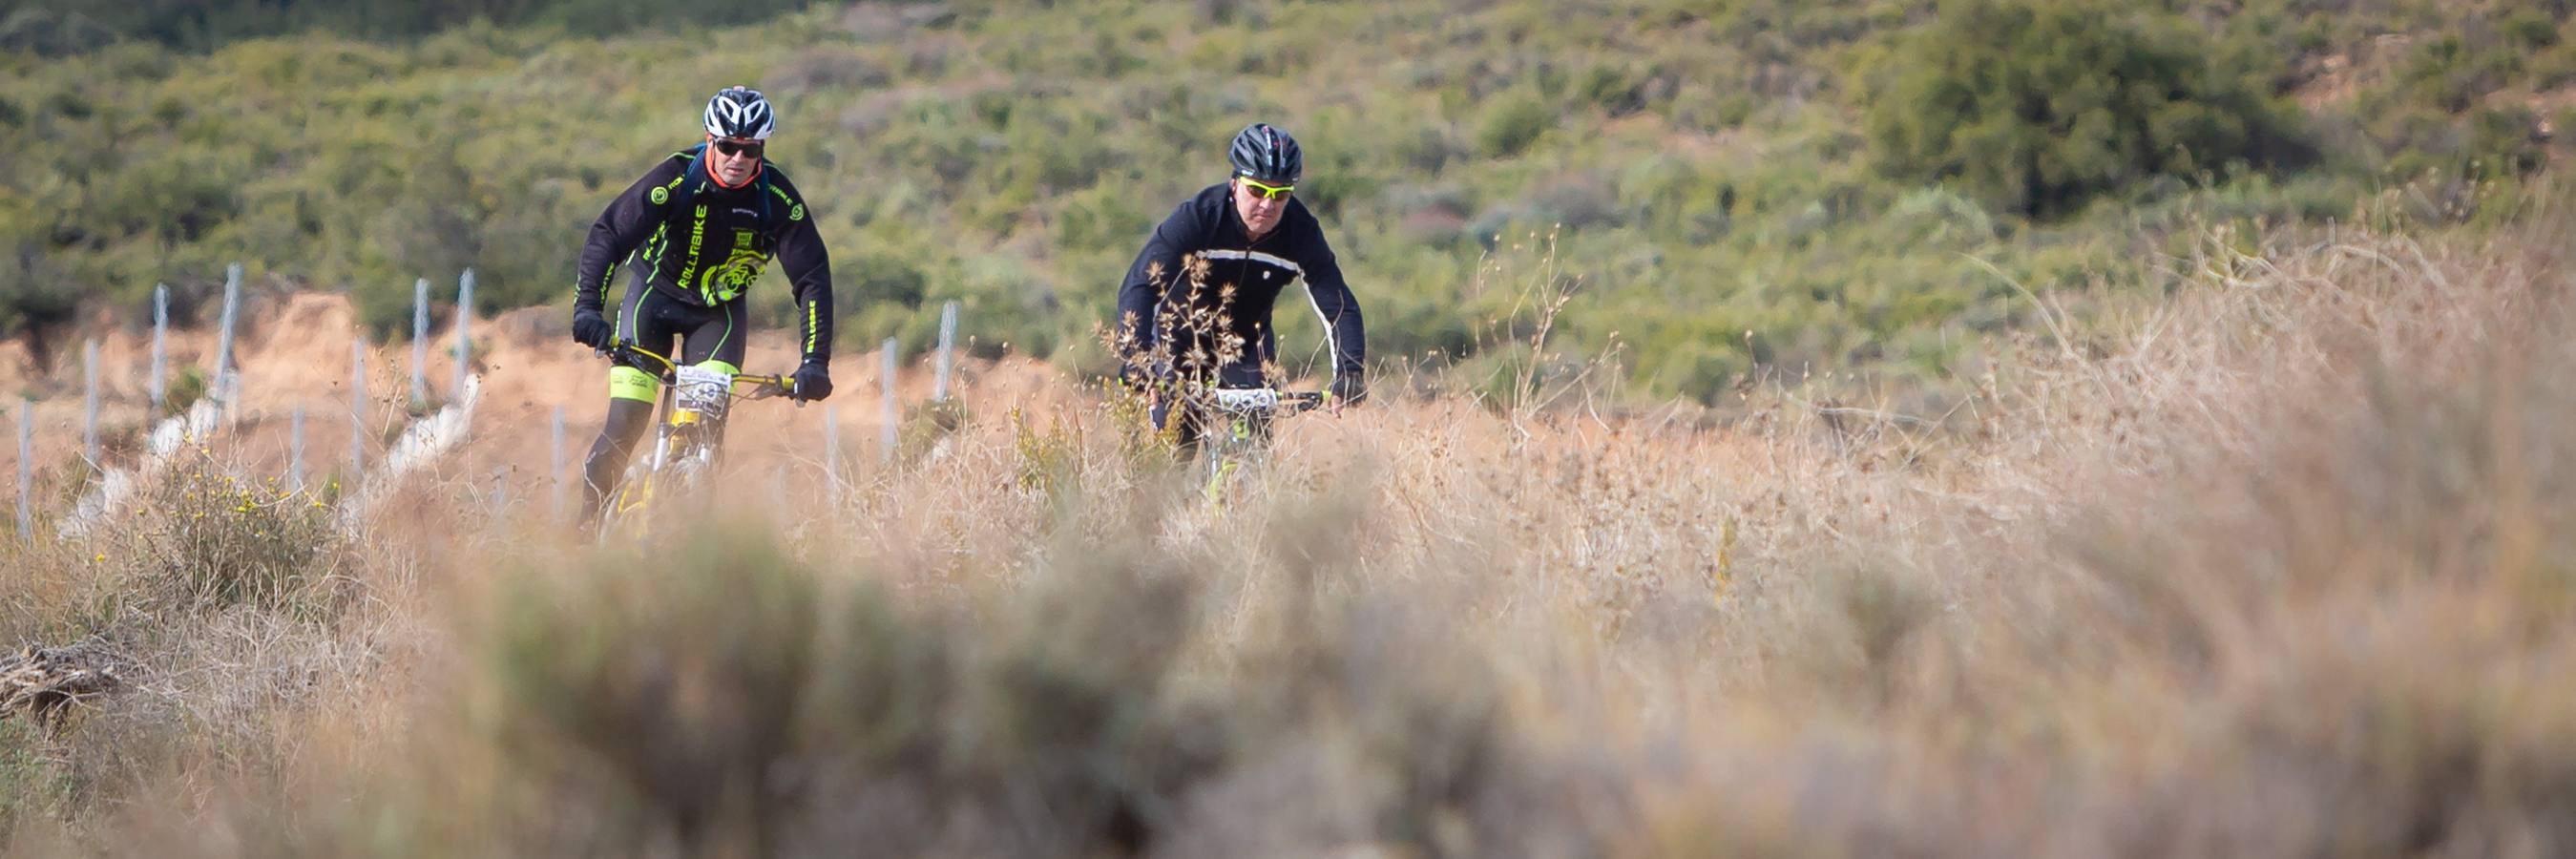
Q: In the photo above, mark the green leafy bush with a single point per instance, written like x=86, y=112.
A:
x=2038, y=107
x=1512, y=123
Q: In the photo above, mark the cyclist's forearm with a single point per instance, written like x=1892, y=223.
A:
x=608, y=244
x=590, y=287
x=814, y=318
x=1342, y=324
x=809, y=277
x=1133, y=333
x=1350, y=341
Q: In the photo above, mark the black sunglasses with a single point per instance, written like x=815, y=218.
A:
x=730, y=147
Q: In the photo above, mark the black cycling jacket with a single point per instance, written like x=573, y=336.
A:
x=1155, y=301
x=704, y=244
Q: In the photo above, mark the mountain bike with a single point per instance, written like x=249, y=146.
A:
x=687, y=438
x=1235, y=427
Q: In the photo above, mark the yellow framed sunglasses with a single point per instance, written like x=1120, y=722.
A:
x=1267, y=192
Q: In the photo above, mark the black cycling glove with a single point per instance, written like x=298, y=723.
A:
x=813, y=381
x=589, y=329
x=1349, y=388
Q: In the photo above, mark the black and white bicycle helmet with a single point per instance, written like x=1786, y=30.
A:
x=741, y=113
x=1264, y=153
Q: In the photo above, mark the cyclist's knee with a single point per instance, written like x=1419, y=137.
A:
x=627, y=420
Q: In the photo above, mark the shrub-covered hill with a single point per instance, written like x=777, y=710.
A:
x=1727, y=187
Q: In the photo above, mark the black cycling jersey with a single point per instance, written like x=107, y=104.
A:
x=704, y=244
x=1156, y=300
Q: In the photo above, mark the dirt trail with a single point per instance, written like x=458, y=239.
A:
x=293, y=350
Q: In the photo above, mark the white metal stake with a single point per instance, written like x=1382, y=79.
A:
x=160, y=342
x=223, y=375
x=295, y=450
x=886, y=438
x=464, y=317
x=947, y=348
x=89, y=402
x=357, y=411
x=420, y=342
x=555, y=465
x=26, y=468
x=832, y=455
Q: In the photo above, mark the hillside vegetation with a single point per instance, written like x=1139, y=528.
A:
x=2143, y=436
x=1729, y=189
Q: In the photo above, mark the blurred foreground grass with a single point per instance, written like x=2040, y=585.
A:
x=2281, y=567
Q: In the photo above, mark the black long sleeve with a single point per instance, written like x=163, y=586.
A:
x=1156, y=268
x=809, y=275
x=1339, y=309
x=625, y=225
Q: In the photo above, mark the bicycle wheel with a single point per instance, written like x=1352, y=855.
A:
x=623, y=513
x=1234, y=444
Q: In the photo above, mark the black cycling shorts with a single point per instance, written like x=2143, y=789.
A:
x=652, y=320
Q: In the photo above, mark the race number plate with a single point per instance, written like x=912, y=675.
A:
x=703, y=390
x=1244, y=401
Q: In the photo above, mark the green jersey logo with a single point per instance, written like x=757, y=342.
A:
x=729, y=279
x=660, y=195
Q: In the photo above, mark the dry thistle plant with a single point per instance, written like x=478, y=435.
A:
x=1200, y=316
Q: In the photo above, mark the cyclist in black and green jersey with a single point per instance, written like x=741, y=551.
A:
x=700, y=226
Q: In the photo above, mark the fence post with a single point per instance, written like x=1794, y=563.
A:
x=887, y=438
x=357, y=411
x=160, y=342
x=222, y=383
x=464, y=317
x=89, y=402
x=555, y=465
x=947, y=348
x=26, y=468
x=295, y=451
x=832, y=455
x=420, y=342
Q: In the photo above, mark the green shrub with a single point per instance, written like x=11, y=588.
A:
x=1512, y=123
x=2451, y=73
x=2038, y=107
x=34, y=292
x=220, y=541
x=185, y=389
x=2504, y=142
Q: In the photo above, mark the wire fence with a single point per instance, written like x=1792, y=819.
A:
x=213, y=414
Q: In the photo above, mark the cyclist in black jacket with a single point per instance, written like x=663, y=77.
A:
x=1196, y=304
x=700, y=226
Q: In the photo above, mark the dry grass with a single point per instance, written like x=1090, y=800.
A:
x=2279, y=567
